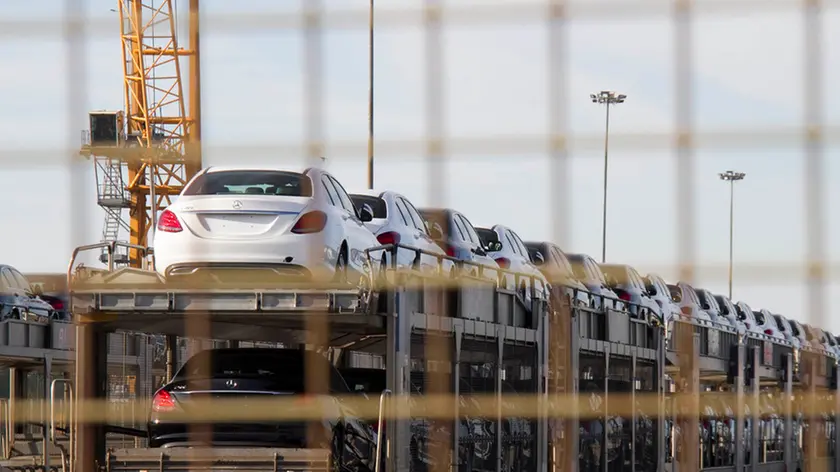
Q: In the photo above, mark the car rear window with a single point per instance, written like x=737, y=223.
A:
x=486, y=235
x=380, y=209
x=439, y=218
x=285, y=366
x=249, y=182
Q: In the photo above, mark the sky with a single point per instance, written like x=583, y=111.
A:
x=499, y=95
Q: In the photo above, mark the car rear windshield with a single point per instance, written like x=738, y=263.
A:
x=486, y=235
x=380, y=210
x=251, y=182
x=284, y=365
x=436, y=217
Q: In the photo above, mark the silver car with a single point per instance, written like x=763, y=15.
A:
x=396, y=221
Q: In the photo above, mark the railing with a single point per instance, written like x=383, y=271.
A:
x=380, y=423
x=68, y=402
x=110, y=248
x=7, y=419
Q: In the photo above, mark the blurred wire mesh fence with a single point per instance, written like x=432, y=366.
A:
x=74, y=28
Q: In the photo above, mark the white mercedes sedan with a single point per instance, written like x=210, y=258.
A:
x=299, y=223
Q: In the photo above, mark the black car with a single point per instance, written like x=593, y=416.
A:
x=242, y=373
x=18, y=300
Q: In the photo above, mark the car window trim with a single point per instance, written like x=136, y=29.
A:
x=401, y=212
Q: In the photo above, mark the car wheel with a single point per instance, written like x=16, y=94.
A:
x=341, y=266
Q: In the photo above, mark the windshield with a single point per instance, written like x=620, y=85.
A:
x=285, y=366
x=436, y=220
x=579, y=268
x=380, y=210
x=486, y=235
x=616, y=275
x=258, y=182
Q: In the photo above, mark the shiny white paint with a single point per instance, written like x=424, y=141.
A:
x=239, y=228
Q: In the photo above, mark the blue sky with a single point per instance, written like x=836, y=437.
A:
x=748, y=76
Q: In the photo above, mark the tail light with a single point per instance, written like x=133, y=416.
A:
x=623, y=295
x=163, y=402
x=390, y=237
x=685, y=310
x=312, y=222
x=168, y=223
x=768, y=331
x=57, y=305
x=450, y=251
x=503, y=262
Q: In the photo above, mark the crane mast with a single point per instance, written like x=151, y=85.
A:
x=145, y=154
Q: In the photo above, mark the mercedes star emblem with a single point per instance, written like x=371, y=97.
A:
x=237, y=204
x=231, y=384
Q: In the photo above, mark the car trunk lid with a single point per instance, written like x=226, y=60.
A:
x=240, y=217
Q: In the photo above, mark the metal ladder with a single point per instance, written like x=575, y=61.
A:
x=65, y=419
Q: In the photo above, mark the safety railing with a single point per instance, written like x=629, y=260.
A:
x=7, y=419
x=69, y=423
x=110, y=248
x=380, y=424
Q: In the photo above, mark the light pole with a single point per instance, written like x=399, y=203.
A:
x=731, y=176
x=370, y=96
x=606, y=98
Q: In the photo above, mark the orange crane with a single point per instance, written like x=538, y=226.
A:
x=148, y=152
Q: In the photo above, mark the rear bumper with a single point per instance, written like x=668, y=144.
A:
x=294, y=253
x=229, y=435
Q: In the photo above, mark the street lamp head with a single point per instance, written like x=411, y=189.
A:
x=607, y=97
x=731, y=176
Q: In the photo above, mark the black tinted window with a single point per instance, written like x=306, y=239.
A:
x=380, y=210
x=780, y=323
x=579, y=267
x=433, y=218
x=533, y=250
x=241, y=182
x=285, y=366
x=724, y=307
x=486, y=235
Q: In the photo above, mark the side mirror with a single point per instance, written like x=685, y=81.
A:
x=539, y=259
x=706, y=306
x=366, y=213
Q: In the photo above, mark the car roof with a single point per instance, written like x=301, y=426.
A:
x=369, y=192
x=300, y=169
